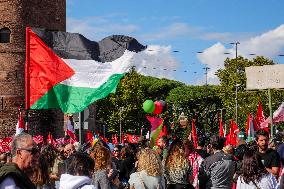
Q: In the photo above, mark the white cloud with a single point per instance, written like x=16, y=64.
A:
x=268, y=44
x=154, y=60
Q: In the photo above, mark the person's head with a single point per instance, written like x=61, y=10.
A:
x=262, y=138
x=149, y=161
x=68, y=150
x=116, y=151
x=102, y=157
x=201, y=142
x=176, y=155
x=217, y=142
x=80, y=164
x=49, y=152
x=24, y=151
x=252, y=168
x=126, y=152
x=162, y=142
x=240, y=151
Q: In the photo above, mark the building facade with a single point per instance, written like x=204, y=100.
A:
x=15, y=15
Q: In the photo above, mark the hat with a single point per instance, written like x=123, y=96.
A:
x=242, y=135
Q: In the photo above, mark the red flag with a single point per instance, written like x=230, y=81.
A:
x=5, y=144
x=38, y=139
x=221, y=130
x=132, y=138
x=193, y=133
x=122, y=138
x=233, y=133
x=50, y=140
x=20, y=124
x=115, y=139
x=89, y=137
x=112, y=139
x=260, y=118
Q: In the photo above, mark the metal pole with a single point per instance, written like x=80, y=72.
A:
x=270, y=112
x=206, y=72
x=80, y=127
x=120, y=124
x=222, y=121
x=237, y=104
x=104, y=131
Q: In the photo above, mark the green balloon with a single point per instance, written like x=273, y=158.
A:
x=148, y=106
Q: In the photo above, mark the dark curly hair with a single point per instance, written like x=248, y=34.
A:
x=217, y=142
x=80, y=163
x=252, y=168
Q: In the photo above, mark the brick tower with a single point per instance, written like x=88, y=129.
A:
x=15, y=15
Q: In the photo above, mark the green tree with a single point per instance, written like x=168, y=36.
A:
x=198, y=102
x=158, y=89
x=124, y=105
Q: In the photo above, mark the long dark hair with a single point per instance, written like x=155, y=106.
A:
x=252, y=167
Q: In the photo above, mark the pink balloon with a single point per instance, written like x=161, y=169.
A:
x=158, y=108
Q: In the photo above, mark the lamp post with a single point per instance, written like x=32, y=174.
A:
x=236, y=46
x=237, y=85
x=121, y=109
x=206, y=73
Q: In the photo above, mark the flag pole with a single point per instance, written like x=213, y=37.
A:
x=27, y=67
x=270, y=112
x=80, y=127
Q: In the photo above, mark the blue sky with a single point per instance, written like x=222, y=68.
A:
x=187, y=26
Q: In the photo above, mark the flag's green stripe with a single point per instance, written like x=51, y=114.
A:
x=75, y=99
x=155, y=134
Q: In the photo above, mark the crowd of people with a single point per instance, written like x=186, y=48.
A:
x=174, y=164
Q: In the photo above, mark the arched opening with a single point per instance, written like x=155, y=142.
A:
x=5, y=35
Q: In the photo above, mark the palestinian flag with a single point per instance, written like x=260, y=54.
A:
x=68, y=71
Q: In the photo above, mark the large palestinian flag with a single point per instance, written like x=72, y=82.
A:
x=68, y=71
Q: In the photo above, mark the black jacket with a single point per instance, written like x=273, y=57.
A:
x=21, y=179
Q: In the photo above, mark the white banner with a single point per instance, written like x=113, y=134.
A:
x=265, y=77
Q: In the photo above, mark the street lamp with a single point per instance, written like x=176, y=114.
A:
x=237, y=85
x=121, y=109
x=236, y=45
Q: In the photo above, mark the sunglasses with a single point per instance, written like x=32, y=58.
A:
x=33, y=150
x=116, y=150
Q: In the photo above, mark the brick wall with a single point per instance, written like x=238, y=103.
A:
x=16, y=15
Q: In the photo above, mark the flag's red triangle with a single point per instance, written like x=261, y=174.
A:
x=43, y=69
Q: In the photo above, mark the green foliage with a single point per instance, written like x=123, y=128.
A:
x=198, y=102
x=125, y=105
x=158, y=89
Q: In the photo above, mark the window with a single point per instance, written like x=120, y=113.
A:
x=5, y=35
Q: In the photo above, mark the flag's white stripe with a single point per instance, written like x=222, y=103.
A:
x=92, y=74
